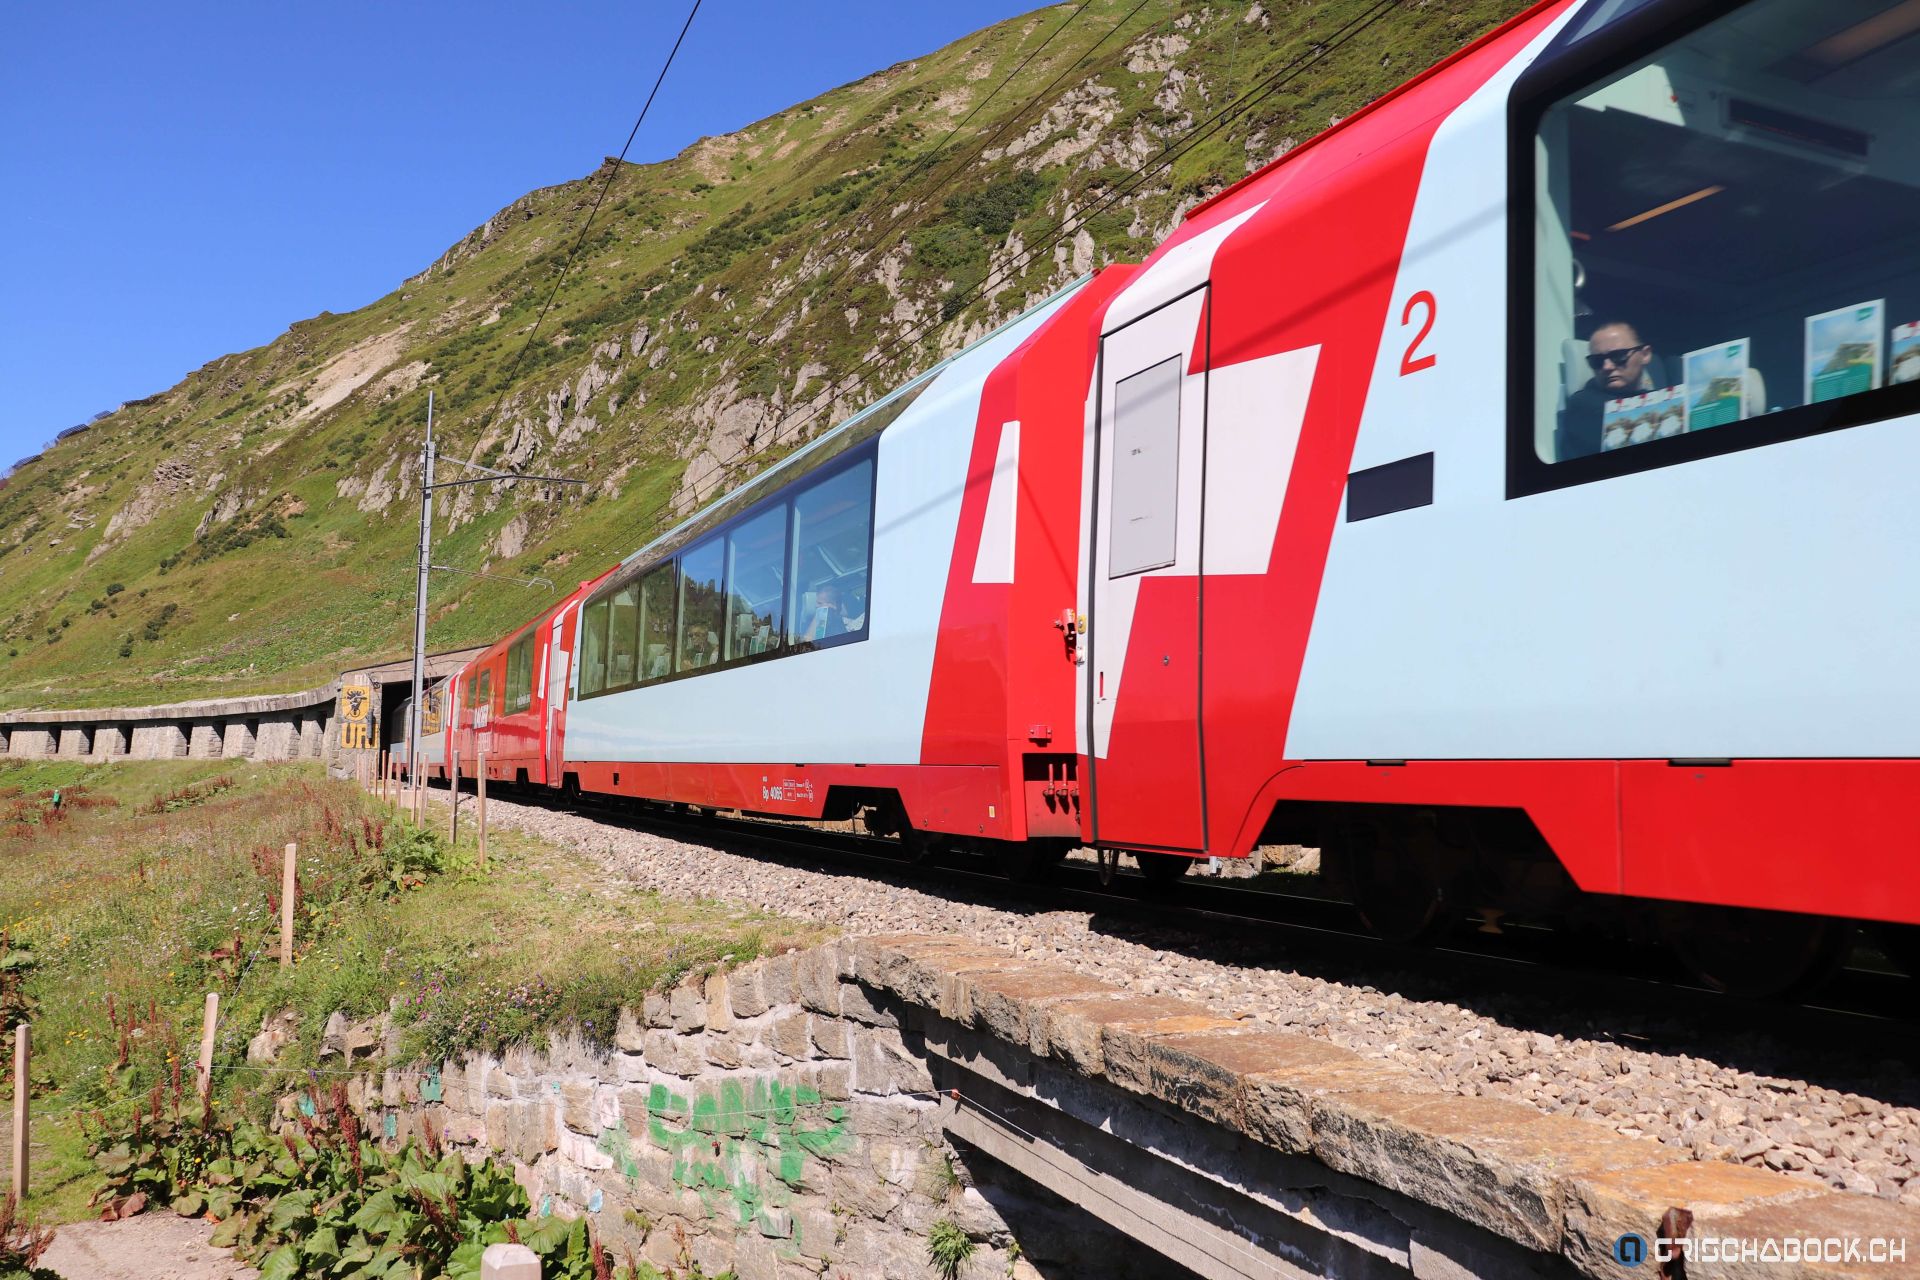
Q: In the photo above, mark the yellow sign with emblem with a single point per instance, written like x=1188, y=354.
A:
x=356, y=716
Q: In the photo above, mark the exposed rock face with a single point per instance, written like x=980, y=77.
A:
x=171, y=478
x=513, y=538
x=277, y=1031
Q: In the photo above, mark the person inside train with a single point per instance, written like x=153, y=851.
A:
x=829, y=618
x=1623, y=364
x=702, y=647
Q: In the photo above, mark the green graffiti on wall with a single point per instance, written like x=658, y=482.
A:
x=618, y=1144
x=744, y=1145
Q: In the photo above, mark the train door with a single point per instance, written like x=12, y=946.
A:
x=1143, y=576
x=557, y=661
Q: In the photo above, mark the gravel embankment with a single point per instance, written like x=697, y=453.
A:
x=1861, y=1141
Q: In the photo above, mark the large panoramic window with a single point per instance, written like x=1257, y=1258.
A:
x=832, y=538
x=623, y=634
x=756, y=583
x=1726, y=239
x=659, y=591
x=702, y=606
x=787, y=574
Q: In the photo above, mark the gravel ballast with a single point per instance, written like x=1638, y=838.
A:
x=1858, y=1139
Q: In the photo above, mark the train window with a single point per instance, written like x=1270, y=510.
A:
x=483, y=696
x=593, y=648
x=756, y=584
x=1726, y=239
x=657, y=609
x=623, y=635
x=832, y=540
x=702, y=605
x=519, y=686
x=1146, y=470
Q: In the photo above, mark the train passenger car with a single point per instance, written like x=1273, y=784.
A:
x=508, y=701
x=880, y=624
x=1509, y=489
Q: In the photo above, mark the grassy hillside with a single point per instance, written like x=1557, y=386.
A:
x=252, y=528
x=159, y=881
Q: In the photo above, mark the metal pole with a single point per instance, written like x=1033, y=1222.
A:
x=21, y=1040
x=453, y=793
x=420, y=608
x=480, y=806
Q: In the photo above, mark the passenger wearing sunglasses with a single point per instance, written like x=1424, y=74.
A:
x=1623, y=365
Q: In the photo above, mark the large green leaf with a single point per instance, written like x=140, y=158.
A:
x=324, y=1242
x=282, y=1264
x=292, y=1214
x=464, y=1263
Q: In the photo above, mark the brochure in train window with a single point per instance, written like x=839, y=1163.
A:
x=1716, y=384
x=1906, y=352
x=1843, y=351
x=1638, y=419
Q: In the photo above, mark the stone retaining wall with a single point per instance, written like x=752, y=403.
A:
x=769, y=1121
x=782, y=1120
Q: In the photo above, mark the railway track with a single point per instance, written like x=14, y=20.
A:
x=1631, y=993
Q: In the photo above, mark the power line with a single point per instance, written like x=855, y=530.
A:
x=613, y=171
x=885, y=235
x=1124, y=189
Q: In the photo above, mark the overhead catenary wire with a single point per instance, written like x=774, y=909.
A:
x=1126, y=188
x=613, y=171
x=886, y=233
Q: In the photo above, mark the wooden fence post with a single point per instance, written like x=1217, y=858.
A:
x=383, y=777
x=480, y=806
x=453, y=798
x=22, y=1085
x=203, y=1078
x=289, y=884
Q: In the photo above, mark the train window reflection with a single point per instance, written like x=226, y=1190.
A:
x=657, y=591
x=756, y=583
x=593, y=648
x=832, y=535
x=1728, y=230
x=623, y=633
x=702, y=607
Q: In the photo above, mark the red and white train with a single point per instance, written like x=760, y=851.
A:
x=1509, y=491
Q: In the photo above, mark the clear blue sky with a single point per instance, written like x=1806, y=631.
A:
x=181, y=181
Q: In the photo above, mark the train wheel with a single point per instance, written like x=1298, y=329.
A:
x=1162, y=868
x=1397, y=895
x=1027, y=861
x=1748, y=952
x=918, y=847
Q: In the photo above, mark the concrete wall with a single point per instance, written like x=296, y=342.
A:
x=111, y=741
x=278, y=739
x=262, y=727
x=164, y=741
x=31, y=741
x=237, y=742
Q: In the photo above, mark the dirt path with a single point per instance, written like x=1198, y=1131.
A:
x=153, y=1246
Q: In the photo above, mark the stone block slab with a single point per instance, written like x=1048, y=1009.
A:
x=1603, y=1208
x=1499, y=1165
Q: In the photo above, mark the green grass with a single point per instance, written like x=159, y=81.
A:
x=116, y=901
